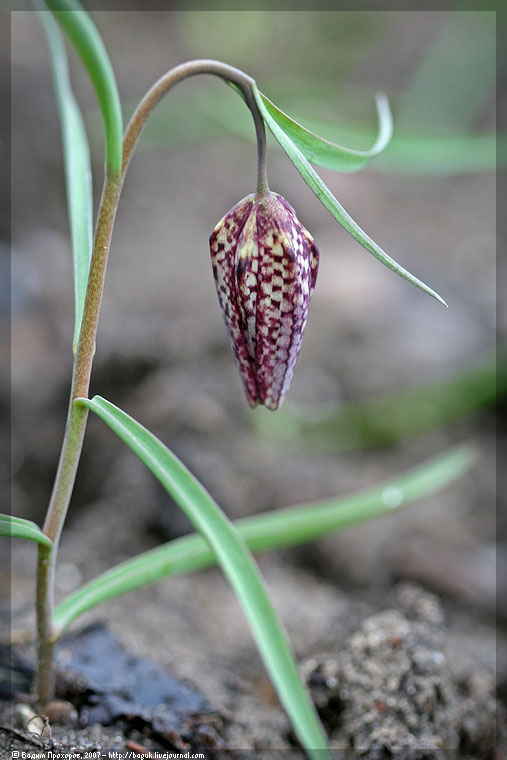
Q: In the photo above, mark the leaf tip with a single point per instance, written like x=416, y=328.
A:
x=382, y=99
x=435, y=295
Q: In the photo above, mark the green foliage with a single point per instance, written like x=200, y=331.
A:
x=18, y=527
x=414, y=150
x=390, y=419
x=271, y=530
x=236, y=562
x=78, y=174
x=326, y=197
x=327, y=154
x=88, y=43
x=430, y=154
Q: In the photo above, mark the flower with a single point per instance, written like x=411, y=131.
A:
x=265, y=266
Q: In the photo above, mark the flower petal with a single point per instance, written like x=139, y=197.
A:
x=223, y=246
x=285, y=286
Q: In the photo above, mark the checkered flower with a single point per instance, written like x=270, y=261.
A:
x=265, y=266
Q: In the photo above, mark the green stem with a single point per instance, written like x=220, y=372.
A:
x=77, y=414
x=73, y=440
x=45, y=604
x=183, y=71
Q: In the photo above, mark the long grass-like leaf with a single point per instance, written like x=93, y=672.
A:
x=18, y=527
x=78, y=176
x=237, y=563
x=388, y=419
x=423, y=154
x=328, y=200
x=88, y=43
x=412, y=151
x=328, y=154
x=271, y=530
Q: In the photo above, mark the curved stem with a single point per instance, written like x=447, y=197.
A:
x=77, y=414
x=177, y=74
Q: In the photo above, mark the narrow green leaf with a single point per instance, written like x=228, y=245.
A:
x=456, y=76
x=410, y=152
x=271, y=530
x=18, y=527
x=327, y=198
x=88, y=43
x=443, y=155
x=237, y=564
x=328, y=154
x=385, y=420
x=414, y=151
x=78, y=176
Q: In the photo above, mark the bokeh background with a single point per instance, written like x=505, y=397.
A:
x=163, y=354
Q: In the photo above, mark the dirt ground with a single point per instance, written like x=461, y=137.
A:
x=425, y=576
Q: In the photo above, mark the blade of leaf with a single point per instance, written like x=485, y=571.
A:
x=328, y=154
x=443, y=155
x=78, y=174
x=88, y=43
x=237, y=564
x=328, y=200
x=385, y=420
x=18, y=527
x=271, y=530
x=408, y=153
x=411, y=151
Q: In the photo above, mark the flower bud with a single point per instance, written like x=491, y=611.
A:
x=265, y=266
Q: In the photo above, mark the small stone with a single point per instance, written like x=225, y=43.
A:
x=62, y=712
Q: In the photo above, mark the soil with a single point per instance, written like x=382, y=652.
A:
x=393, y=622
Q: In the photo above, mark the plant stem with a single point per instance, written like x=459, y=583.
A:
x=77, y=414
x=73, y=440
x=45, y=604
x=183, y=71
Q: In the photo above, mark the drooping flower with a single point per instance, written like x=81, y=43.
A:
x=265, y=267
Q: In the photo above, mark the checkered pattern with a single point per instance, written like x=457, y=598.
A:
x=265, y=266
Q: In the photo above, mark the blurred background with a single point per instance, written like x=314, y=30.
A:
x=386, y=376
